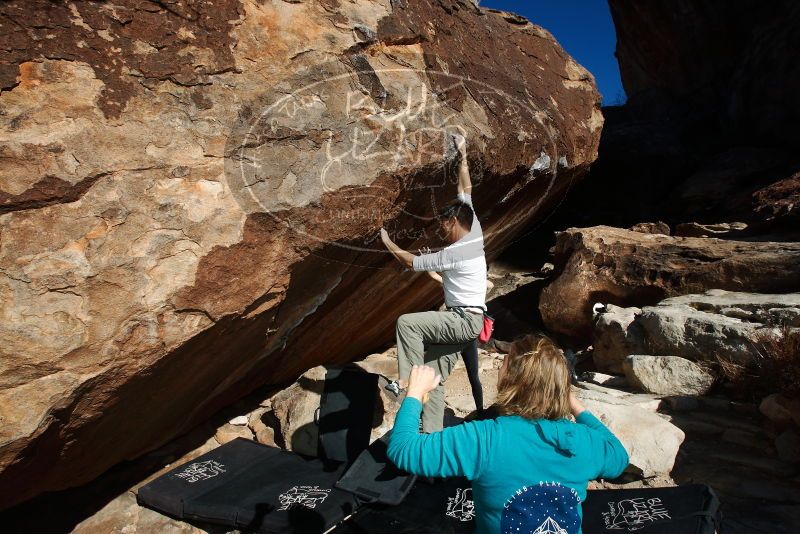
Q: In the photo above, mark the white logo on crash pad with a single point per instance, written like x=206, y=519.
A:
x=307, y=496
x=201, y=471
x=634, y=514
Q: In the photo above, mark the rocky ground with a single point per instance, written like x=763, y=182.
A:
x=671, y=438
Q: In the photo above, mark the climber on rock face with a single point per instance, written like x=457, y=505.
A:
x=462, y=266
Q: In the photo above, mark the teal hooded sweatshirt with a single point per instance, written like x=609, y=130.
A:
x=510, y=454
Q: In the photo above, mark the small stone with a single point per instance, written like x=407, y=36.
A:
x=239, y=420
x=230, y=432
x=180, y=171
x=364, y=34
x=775, y=408
x=667, y=375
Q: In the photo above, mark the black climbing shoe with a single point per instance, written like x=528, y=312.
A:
x=394, y=387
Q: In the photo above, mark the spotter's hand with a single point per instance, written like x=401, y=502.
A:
x=422, y=381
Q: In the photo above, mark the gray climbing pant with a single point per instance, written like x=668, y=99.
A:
x=434, y=338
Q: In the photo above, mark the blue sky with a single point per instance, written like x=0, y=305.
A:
x=584, y=28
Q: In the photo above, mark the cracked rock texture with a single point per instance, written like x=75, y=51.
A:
x=717, y=324
x=610, y=265
x=667, y=375
x=190, y=197
x=651, y=452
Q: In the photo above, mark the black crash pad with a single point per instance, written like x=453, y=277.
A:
x=374, y=478
x=254, y=487
x=691, y=509
x=446, y=507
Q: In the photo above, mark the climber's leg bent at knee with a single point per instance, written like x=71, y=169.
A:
x=416, y=330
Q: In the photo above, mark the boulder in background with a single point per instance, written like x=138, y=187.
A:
x=627, y=268
x=667, y=375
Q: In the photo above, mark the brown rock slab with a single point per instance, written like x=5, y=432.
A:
x=632, y=269
x=780, y=199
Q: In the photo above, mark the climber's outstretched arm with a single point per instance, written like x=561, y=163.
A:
x=464, y=182
x=403, y=256
x=436, y=276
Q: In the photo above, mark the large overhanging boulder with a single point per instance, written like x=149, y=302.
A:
x=609, y=265
x=190, y=197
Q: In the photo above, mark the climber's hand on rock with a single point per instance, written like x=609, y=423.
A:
x=423, y=380
x=575, y=406
x=461, y=143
